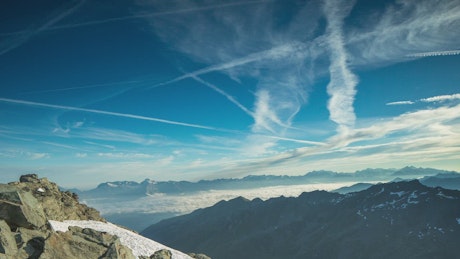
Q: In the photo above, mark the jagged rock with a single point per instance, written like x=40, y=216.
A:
x=160, y=254
x=19, y=208
x=7, y=242
x=84, y=243
x=56, y=205
x=199, y=256
x=30, y=242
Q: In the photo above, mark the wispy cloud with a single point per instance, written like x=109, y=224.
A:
x=431, y=134
x=126, y=155
x=341, y=87
x=116, y=114
x=273, y=54
x=36, y=156
x=81, y=155
x=441, y=98
x=401, y=103
x=406, y=29
x=434, y=99
x=140, y=16
x=244, y=44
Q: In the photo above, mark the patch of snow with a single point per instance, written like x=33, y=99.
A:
x=420, y=235
x=458, y=220
x=112, y=185
x=401, y=193
x=381, y=191
x=362, y=215
x=40, y=190
x=138, y=244
x=412, y=197
x=440, y=194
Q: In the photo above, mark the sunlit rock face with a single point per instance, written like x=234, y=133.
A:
x=37, y=220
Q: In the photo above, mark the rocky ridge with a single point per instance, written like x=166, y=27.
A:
x=26, y=209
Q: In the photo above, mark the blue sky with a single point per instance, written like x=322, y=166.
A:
x=95, y=91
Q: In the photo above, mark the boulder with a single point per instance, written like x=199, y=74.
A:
x=8, y=246
x=30, y=242
x=84, y=243
x=160, y=254
x=57, y=205
x=19, y=208
x=199, y=256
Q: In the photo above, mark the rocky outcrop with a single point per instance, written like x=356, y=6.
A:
x=19, y=208
x=25, y=209
x=160, y=254
x=84, y=243
x=199, y=256
x=57, y=205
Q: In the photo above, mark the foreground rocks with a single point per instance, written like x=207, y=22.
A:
x=25, y=208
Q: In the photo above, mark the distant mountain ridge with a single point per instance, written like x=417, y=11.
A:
x=149, y=187
x=391, y=220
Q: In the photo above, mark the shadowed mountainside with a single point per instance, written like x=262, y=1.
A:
x=391, y=220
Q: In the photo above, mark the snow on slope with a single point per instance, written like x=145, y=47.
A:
x=138, y=244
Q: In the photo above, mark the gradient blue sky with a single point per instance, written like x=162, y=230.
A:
x=94, y=91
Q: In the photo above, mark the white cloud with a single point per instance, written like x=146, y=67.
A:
x=81, y=155
x=341, y=87
x=401, y=103
x=405, y=27
x=37, y=156
x=126, y=155
x=433, y=99
x=441, y=98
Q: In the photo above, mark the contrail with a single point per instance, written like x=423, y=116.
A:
x=147, y=15
x=222, y=92
x=435, y=53
x=81, y=87
x=116, y=114
x=28, y=35
x=274, y=53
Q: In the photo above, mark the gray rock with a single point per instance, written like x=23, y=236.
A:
x=199, y=256
x=56, y=205
x=84, y=243
x=8, y=246
x=30, y=242
x=19, y=208
x=162, y=254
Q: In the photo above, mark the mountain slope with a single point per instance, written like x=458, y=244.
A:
x=392, y=220
x=37, y=220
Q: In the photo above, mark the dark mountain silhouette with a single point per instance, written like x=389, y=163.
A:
x=391, y=220
x=444, y=180
x=130, y=189
x=353, y=188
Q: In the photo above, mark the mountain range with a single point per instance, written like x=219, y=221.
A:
x=391, y=220
x=149, y=201
x=132, y=189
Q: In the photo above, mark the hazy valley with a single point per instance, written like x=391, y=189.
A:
x=138, y=205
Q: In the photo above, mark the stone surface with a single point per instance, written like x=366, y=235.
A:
x=57, y=205
x=19, y=208
x=7, y=242
x=84, y=243
x=199, y=256
x=25, y=208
